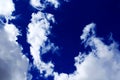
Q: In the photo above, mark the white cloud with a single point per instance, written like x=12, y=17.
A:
x=12, y=31
x=38, y=30
x=37, y=34
x=50, y=17
x=13, y=65
x=41, y=6
x=47, y=46
x=54, y=2
x=102, y=63
x=6, y=7
x=36, y=4
x=86, y=31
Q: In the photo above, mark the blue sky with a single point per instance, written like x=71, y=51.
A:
x=60, y=40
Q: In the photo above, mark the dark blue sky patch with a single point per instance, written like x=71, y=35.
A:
x=35, y=73
x=2, y=19
x=47, y=57
x=23, y=12
x=105, y=13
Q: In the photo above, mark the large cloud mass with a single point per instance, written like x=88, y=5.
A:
x=102, y=62
x=13, y=65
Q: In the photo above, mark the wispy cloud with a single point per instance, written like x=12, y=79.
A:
x=37, y=4
x=41, y=6
x=54, y=2
x=38, y=31
x=102, y=62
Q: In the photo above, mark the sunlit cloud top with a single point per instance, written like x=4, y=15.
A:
x=6, y=7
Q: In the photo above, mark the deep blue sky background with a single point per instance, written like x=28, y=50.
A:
x=70, y=18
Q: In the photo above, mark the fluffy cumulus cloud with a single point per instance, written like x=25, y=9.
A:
x=102, y=62
x=13, y=65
